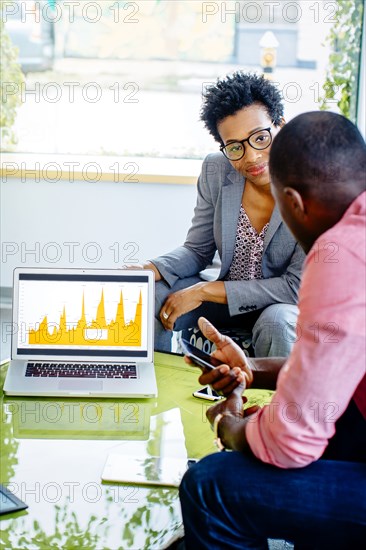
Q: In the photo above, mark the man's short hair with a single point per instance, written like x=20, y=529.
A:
x=235, y=92
x=318, y=153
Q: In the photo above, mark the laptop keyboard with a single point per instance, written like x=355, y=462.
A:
x=78, y=370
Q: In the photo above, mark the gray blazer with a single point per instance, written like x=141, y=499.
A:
x=214, y=224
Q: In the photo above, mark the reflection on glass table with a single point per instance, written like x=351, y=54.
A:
x=78, y=419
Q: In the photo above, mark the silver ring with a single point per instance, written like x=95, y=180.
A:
x=165, y=315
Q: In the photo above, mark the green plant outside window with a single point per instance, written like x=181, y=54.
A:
x=344, y=62
x=12, y=79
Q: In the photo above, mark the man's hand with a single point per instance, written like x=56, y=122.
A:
x=233, y=405
x=235, y=368
x=180, y=302
x=232, y=425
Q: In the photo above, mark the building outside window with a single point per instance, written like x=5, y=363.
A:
x=125, y=79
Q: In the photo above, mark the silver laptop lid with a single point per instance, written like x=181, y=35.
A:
x=83, y=315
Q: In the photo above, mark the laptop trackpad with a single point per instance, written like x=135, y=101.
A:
x=86, y=385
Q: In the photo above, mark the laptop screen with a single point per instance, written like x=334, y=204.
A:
x=83, y=314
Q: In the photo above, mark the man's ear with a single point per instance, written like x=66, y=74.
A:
x=282, y=123
x=295, y=202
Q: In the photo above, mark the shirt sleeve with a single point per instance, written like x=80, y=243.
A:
x=326, y=365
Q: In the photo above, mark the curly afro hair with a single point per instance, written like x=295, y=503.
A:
x=236, y=92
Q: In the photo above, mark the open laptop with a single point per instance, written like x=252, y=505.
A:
x=81, y=332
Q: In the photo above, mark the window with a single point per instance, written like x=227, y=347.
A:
x=125, y=78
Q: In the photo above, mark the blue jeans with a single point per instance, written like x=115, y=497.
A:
x=273, y=328
x=233, y=501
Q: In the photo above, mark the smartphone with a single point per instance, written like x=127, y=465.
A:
x=198, y=357
x=207, y=393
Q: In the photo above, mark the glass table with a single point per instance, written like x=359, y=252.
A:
x=53, y=452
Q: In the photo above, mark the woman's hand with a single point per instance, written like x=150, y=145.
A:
x=180, y=302
x=147, y=265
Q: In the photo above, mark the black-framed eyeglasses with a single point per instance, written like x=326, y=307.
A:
x=261, y=139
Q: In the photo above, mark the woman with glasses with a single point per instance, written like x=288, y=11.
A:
x=236, y=216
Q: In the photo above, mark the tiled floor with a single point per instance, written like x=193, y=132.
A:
x=279, y=545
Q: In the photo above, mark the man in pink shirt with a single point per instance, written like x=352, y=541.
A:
x=274, y=485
